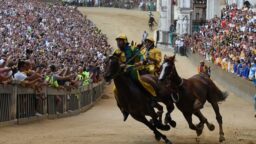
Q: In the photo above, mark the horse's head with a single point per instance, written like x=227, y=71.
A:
x=167, y=68
x=112, y=67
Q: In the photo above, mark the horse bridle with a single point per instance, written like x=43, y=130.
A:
x=181, y=83
x=171, y=73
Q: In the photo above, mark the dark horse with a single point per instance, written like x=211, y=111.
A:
x=132, y=98
x=199, y=87
x=151, y=22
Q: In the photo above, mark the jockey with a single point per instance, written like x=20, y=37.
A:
x=151, y=20
x=131, y=59
x=203, y=68
x=152, y=56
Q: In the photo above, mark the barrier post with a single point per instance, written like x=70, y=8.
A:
x=65, y=105
x=91, y=93
x=79, y=97
x=14, y=103
x=45, y=103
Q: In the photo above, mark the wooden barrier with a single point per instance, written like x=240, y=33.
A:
x=21, y=105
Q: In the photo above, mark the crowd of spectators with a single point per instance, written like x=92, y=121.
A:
x=229, y=41
x=144, y=5
x=49, y=44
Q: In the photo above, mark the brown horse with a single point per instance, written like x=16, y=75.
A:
x=187, y=91
x=132, y=98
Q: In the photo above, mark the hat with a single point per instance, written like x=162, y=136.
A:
x=122, y=37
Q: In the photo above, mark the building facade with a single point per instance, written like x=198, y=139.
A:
x=184, y=14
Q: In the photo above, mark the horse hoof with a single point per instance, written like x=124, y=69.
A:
x=199, y=131
x=168, y=142
x=157, y=137
x=222, y=138
x=173, y=123
x=161, y=126
x=168, y=120
x=211, y=127
x=164, y=127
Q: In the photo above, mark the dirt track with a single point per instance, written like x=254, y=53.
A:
x=103, y=123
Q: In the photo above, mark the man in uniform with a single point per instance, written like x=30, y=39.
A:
x=131, y=59
x=152, y=56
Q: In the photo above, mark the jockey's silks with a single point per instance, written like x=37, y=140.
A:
x=125, y=56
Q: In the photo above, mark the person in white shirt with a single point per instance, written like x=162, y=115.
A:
x=20, y=76
x=144, y=36
x=29, y=81
x=177, y=42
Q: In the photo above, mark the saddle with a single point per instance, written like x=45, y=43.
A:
x=203, y=78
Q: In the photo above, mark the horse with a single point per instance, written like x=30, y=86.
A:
x=132, y=98
x=151, y=22
x=199, y=86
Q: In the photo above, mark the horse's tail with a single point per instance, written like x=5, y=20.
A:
x=220, y=95
x=223, y=96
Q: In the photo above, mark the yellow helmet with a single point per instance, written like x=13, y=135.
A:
x=150, y=39
x=123, y=37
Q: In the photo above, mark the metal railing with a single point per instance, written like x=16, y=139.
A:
x=19, y=103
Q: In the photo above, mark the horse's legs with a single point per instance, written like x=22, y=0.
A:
x=219, y=119
x=160, y=110
x=203, y=120
x=188, y=117
x=156, y=122
x=170, y=108
x=158, y=135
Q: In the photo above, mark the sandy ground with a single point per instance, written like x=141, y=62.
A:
x=103, y=123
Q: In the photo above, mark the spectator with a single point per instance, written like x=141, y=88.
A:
x=42, y=34
x=144, y=36
x=229, y=41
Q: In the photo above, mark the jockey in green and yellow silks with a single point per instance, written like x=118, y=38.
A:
x=152, y=56
x=133, y=58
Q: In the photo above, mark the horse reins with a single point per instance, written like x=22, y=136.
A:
x=119, y=70
x=179, y=85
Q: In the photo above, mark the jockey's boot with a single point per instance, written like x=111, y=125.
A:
x=197, y=105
